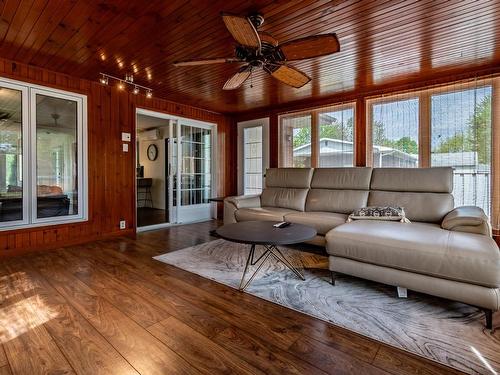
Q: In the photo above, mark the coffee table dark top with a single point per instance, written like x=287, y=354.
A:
x=263, y=233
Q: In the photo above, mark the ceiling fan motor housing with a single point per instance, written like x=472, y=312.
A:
x=257, y=19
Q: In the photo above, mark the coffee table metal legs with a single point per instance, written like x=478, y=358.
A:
x=271, y=250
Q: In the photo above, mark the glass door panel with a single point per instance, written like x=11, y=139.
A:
x=193, y=180
x=253, y=155
x=253, y=160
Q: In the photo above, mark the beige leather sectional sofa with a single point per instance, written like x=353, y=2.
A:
x=444, y=251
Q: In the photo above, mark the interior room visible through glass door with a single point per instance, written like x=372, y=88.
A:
x=152, y=173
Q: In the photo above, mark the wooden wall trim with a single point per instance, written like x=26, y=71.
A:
x=274, y=142
x=424, y=131
x=315, y=136
x=495, y=153
x=360, y=133
x=111, y=172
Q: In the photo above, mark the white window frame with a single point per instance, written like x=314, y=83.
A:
x=30, y=219
x=26, y=153
x=264, y=122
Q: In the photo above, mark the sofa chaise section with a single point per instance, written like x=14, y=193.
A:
x=444, y=252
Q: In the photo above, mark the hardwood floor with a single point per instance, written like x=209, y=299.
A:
x=151, y=216
x=108, y=308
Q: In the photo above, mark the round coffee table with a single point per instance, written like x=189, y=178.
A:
x=263, y=233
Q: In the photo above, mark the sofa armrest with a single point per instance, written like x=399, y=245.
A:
x=469, y=219
x=232, y=204
x=244, y=201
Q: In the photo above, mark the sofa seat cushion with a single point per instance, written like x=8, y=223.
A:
x=323, y=222
x=262, y=213
x=421, y=248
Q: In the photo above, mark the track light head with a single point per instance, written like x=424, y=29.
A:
x=103, y=79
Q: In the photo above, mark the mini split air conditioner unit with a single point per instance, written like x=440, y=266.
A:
x=151, y=135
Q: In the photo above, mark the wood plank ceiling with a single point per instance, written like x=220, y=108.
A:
x=383, y=42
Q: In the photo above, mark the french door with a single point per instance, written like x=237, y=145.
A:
x=253, y=155
x=191, y=170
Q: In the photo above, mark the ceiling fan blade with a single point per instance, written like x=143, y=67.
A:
x=310, y=46
x=267, y=38
x=242, y=30
x=195, y=62
x=289, y=75
x=238, y=78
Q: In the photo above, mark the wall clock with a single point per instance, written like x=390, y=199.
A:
x=152, y=152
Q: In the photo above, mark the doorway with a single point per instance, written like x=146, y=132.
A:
x=175, y=170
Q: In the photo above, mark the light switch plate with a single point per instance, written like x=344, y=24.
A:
x=125, y=147
x=126, y=137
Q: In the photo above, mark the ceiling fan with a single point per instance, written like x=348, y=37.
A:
x=259, y=50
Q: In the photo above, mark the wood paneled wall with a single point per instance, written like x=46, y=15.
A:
x=111, y=172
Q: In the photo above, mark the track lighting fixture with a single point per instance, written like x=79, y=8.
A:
x=122, y=83
x=103, y=79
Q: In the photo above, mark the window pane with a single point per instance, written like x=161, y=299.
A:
x=252, y=139
x=296, y=142
x=461, y=138
x=336, y=138
x=56, y=150
x=11, y=158
x=395, y=133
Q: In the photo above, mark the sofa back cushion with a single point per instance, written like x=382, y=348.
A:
x=286, y=188
x=340, y=190
x=424, y=193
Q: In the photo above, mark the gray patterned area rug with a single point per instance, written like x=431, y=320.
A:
x=448, y=332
